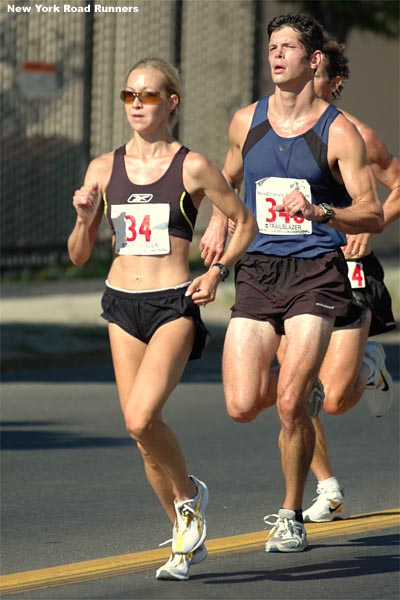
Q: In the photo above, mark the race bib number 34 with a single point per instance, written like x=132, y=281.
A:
x=269, y=193
x=141, y=229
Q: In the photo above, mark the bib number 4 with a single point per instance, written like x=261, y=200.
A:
x=356, y=274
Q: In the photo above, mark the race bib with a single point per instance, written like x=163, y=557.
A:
x=356, y=274
x=270, y=192
x=141, y=229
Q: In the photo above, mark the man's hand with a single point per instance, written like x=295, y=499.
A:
x=358, y=245
x=212, y=244
x=295, y=205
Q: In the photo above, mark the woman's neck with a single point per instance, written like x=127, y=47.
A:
x=145, y=147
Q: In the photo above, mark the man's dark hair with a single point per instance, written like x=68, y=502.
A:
x=309, y=29
x=336, y=63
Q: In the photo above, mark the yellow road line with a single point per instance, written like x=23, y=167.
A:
x=139, y=561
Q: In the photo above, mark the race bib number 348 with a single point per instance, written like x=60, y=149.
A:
x=269, y=193
x=141, y=229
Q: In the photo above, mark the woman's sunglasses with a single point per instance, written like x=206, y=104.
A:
x=128, y=97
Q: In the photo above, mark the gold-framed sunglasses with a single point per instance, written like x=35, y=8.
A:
x=128, y=97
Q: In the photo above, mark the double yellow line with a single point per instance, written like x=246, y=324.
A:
x=140, y=561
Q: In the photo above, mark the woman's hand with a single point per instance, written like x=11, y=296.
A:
x=86, y=202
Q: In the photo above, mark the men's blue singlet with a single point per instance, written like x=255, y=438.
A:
x=275, y=165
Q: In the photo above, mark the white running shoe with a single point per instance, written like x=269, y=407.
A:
x=190, y=527
x=316, y=398
x=287, y=534
x=178, y=565
x=329, y=505
x=379, y=389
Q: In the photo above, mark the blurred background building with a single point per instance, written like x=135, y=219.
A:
x=61, y=74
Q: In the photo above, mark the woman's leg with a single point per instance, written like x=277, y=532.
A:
x=146, y=375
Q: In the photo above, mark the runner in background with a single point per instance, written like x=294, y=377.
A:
x=354, y=368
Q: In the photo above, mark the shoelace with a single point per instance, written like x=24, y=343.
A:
x=280, y=524
x=185, y=510
x=270, y=517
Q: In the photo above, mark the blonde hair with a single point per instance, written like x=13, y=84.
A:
x=170, y=76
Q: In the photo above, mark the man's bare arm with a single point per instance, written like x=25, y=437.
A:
x=213, y=241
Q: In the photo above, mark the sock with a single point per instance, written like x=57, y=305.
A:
x=299, y=515
x=331, y=482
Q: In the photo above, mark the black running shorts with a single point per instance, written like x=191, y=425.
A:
x=141, y=314
x=273, y=288
x=374, y=295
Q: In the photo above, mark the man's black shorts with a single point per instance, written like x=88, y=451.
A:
x=141, y=313
x=273, y=288
x=375, y=296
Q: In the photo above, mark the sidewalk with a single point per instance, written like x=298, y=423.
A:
x=55, y=323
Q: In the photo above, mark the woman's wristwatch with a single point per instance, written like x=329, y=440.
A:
x=224, y=271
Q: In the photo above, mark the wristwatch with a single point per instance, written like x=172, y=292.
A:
x=328, y=210
x=224, y=271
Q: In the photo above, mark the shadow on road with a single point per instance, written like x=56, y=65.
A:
x=345, y=568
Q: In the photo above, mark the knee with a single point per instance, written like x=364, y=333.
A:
x=334, y=401
x=290, y=410
x=138, y=428
x=245, y=409
x=238, y=408
x=240, y=415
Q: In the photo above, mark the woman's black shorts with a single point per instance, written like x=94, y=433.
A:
x=141, y=313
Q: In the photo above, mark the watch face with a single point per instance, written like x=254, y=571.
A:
x=327, y=209
x=328, y=212
x=223, y=271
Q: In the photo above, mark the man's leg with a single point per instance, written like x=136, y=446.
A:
x=344, y=376
x=343, y=372
x=307, y=338
x=249, y=384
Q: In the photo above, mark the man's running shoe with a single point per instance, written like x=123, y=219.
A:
x=287, y=534
x=329, y=505
x=316, y=399
x=190, y=527
x=379, y=389
x=178, y=565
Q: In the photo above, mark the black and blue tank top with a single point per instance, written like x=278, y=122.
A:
x=142, y=217
x=275, y=165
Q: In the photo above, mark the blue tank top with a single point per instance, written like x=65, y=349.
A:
x=275, y=165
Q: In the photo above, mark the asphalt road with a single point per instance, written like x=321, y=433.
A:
x=73, y=490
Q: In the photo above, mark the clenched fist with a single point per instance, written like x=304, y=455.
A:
x=86, y=202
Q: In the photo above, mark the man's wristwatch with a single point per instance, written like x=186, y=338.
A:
x=224, y=271
x=328, y=210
